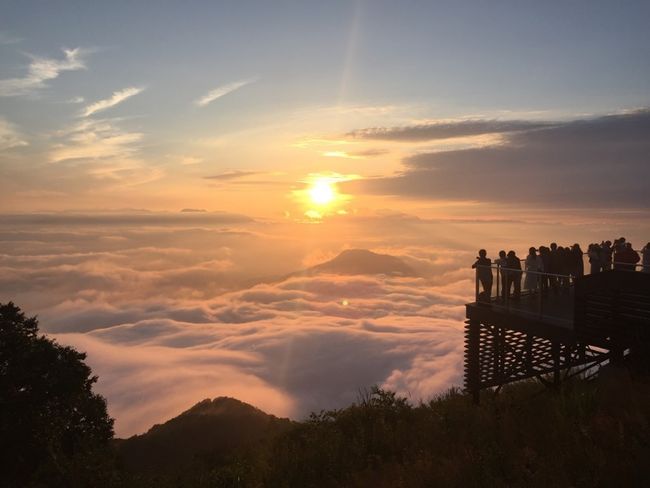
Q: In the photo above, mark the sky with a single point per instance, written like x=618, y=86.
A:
x=203, y=104
x=165, y=171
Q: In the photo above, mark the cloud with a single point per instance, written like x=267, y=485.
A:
x=445, y=130
x=597, y=162
x=189, y=160
x=95, y=139
x=9, y=136
x=117, y=97
x=7, y=39
x=355, y=154
x=230, y=175
x=41, y=70
x=221, y=91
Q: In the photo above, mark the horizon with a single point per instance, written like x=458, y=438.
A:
x=165, y=174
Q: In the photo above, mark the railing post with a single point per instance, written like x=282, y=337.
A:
x=477, y=289
x=498, y=280
x=540, y=277
x=507, y=290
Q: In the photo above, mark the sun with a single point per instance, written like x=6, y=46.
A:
x=322, y=192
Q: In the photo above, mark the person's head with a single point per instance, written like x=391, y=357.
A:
x=553, y=246
x=482, y=253
x=511, y=254
x=622, y=239
x=647, y=246
x=502, y=254
x=628, y=245
x=532, y=251
x=609, y=243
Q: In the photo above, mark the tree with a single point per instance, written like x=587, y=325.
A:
x=54, y=431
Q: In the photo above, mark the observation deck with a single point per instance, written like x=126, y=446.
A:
x=558, y=324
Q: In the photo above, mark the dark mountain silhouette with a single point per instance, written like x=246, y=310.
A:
x=209, y=433
x=363, y=261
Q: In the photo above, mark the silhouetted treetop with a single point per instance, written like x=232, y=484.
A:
x=52, y=425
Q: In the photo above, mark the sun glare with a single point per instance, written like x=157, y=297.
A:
x=322, y=192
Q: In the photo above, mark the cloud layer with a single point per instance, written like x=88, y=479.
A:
x=445, y=130
x=583, y=163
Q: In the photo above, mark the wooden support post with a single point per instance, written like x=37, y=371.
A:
x=472, y=364
x=529, y=354
x=556, y=363
x=616, y=355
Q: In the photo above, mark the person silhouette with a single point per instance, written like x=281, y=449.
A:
x=532, y=268
x=514, y=274
x=606, y=255
x=545, y=257
x=484, y=274
x=577, y=261
x=646, y=258
x=595, y=253
x=628, y=258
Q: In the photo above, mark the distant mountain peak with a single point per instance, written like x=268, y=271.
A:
x=364, y=261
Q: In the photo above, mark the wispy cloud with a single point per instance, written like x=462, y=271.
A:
x=117, y=97
x=446, y=130
x=95, y=140
x=41, y=70
x=6, y=39
x=230, y=175
x=9, y=136
x=221, y=91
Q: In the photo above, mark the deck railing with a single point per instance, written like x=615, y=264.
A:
x=547, y=296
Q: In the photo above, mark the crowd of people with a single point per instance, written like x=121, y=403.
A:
x=554, y=267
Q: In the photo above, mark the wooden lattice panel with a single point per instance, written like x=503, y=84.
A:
x=496, y=355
